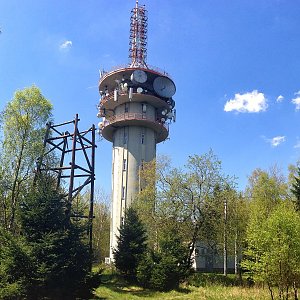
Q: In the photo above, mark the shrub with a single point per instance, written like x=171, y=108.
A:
x=15, y=267
x=164, y=269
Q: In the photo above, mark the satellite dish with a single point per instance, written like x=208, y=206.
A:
x=164, y=87
x=170, y=115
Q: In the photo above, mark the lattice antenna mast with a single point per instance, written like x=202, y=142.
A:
x=138, y=36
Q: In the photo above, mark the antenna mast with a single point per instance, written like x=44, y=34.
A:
x=138, y=36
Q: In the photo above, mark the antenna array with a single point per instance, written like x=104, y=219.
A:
x=138, y=36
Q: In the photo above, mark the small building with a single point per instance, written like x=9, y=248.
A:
x=210, y=259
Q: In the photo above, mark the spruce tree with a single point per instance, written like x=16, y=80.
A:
x=166, y=267
x=61, y=257
x=296, y=190
x=15, y=266
x=131, y=244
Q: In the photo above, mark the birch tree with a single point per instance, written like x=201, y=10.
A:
x=23, y=121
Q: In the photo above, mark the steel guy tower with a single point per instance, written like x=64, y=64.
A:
x=136, y=108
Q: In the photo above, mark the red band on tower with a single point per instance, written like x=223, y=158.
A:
x=138, y=36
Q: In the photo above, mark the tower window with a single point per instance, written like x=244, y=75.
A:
x=142, y=164
x=142, y=138
x=125, y=137
x=123, y=192
x=124, y=164
x=126, y=107
x=144, y=107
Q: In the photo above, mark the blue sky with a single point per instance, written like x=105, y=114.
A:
x=236, y=65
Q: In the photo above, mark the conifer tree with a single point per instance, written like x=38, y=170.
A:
x=15, y=266
x=296, y=190
x=166, y=267
x=131, y=244
x=61, y=257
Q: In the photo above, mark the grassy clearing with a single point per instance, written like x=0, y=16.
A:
x=118, y=290
x=191, y=293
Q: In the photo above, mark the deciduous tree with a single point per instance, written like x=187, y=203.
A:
x=101, y=226
x=273, y=252
x=184, y=199
x=23, y=121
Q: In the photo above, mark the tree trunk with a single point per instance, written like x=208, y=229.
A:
x=271, y=292
x=236, y=254
x=192, y=245
x=295, y=291
x=15, y=188
x=225, y=239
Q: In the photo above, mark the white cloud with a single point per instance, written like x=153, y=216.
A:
x=297, y=145
x=279, y=98
x=252, y=102
x=276, y=141
x=296, y=100
x=66, y=45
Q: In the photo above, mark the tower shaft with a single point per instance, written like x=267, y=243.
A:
x=136, y=107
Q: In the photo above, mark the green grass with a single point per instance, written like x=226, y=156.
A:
x=117, y=289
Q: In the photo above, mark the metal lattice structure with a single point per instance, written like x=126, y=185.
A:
x=75, y=153
x=138, y=36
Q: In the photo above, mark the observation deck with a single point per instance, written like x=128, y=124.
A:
x=123, y=98
x=111, y=124
x=108, y=105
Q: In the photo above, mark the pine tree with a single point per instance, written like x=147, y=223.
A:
x=131, y=244
x=57, y=248
x=296, y=190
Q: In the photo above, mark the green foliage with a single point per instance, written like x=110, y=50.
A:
x=61, y=258
x=146, y=200
x=23, y=121
x=273, y=252
x=184, y=199
x=164, y=269
x=101, y=227
x=43, y=211
x=131, y=244
x=210, y=279
x=145, y=269
x=15, y=267
x=296, y=189
x=266, y=190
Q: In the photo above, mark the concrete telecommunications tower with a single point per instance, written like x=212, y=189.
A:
x=136, y=107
